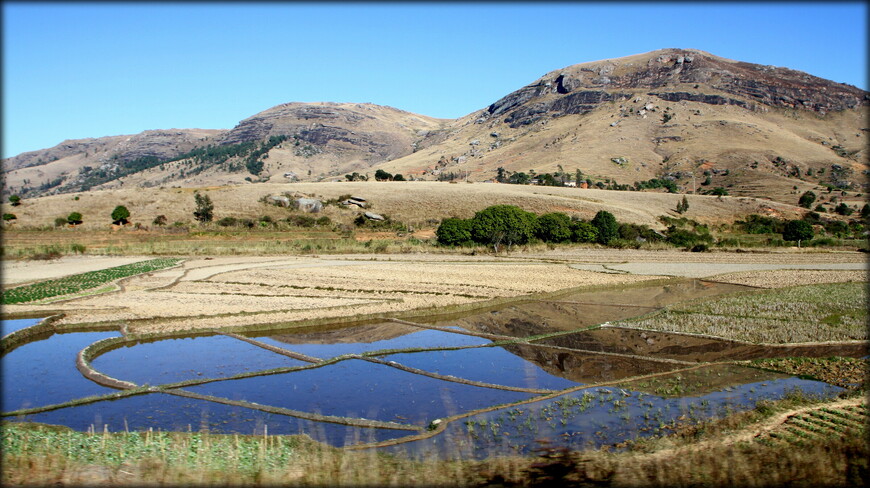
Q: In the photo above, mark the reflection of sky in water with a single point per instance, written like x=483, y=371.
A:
x=420, y=338
x=170, y=412
x=44, y=372
x=9, y=326
x=356, y=388
x=487, y=364
x=609, y=417
x=172, y=360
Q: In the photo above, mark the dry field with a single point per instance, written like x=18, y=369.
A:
x=244, y=291
x=417, y=203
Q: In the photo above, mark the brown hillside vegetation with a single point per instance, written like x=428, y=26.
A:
x=422, y=204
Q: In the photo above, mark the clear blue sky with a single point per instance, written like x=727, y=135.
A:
x=80, y=70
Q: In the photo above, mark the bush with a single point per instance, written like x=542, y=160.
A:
x=228, y=222
x=503, y=224
x=606, y=225
x=60, y=221
x=8, y=216
x=74, y=218
x=807, y=199
x=15, y=200
x=554, y=227
x=323, y=221
x=120, y=215
x=582, y=231
x=797, y=230
x=159, y=220
x=302, y=220
x=843, y=209
x=454, y=232
x=686, y=238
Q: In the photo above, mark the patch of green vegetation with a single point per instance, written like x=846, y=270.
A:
x=826, y=312
x=81, y=282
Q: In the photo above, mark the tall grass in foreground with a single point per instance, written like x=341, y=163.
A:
x=42, y=455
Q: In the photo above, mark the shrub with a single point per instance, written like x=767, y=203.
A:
x=865, y=211
x=302, y=220
x=159, y=220
x=582, y=231
x=554, y=227
x=454, y=232
x=120, y=215
x=228, y=222
x=797, y=230
x=606, y=225
x=843, y=209
x=503, y=224
x=323, y=221
x=8, y=216
x=74, y=218
x=15, y=200
x=60, y=221
x=807, y=199
x=687, y=238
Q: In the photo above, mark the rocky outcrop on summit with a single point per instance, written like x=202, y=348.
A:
x=673, y=75
x=162, y=144
x=378, y=133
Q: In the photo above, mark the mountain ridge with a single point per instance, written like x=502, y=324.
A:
x=666, y=113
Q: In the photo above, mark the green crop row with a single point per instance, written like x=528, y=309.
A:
x=84, y=281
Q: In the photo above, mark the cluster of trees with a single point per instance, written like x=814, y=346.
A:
x=508, y=225
x=381, y=175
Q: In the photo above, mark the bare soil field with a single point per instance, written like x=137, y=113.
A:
x=206, y=293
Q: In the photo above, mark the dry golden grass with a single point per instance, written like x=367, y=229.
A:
x=419, y=204
x=223, y=292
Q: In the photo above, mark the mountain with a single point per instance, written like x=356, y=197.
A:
x=751, y=129
x=684, y=116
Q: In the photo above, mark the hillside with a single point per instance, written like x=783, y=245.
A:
x=755, y=130
x=682, y=115
x=417, y=203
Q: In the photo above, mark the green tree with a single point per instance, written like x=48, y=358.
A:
x=500, y=175
x=606, y=225
x=519, y=179
x=683, y=205
x=454, y=232
x=381, y=175
x=843, y=209
x=554, y=227
x=503, y=224
x=159, y=220
x=865, y=211
x=582, y=231
x=15, y=200
x=120, y=215
x=806, y=200
x=797, y=230
x=75, y=218
x=204, y=208
x=398, y=177
x=8, y=216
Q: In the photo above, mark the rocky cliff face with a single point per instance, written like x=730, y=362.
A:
x=164, y=144
x=673, y=75
x=376, y=133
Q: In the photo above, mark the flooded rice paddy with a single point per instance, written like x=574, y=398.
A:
x=475, y=385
